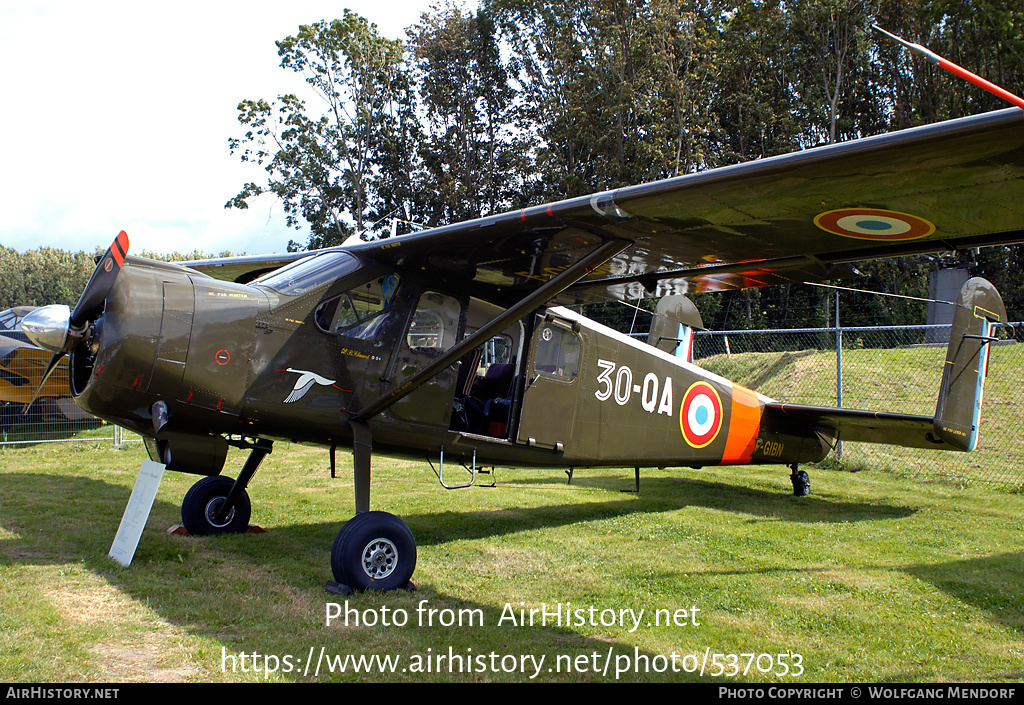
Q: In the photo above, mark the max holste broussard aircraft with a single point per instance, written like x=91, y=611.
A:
x=451, y=343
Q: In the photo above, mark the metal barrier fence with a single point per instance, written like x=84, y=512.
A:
x=51, y=417
x=885, y=369
x=51, y=420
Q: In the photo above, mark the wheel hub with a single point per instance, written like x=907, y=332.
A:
x=212, y=507
x=380, y=557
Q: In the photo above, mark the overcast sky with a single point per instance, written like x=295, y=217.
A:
x=116, y=115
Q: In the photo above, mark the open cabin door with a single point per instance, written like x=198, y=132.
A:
x=488, y=378
x=433, y=329
x=552, y=386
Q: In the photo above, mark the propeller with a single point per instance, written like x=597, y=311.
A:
x=57, y=328
x=101, y=281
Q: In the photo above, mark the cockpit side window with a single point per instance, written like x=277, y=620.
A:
x=361, y=311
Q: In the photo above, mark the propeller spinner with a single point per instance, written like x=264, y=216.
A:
x=58, y=329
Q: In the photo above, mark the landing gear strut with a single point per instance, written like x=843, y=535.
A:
x=220, y=505
x=374, y=550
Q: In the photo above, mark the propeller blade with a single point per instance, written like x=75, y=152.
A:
x=102, y=280
x=50, y=367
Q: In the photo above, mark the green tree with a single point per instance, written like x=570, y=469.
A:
x=837, y=81
x=43, y=276
x=472, y=161
x=613, y=92
x=326, y=168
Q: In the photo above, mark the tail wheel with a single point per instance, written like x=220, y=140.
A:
x=203, y=501
x=374, y=551
x=801, y=483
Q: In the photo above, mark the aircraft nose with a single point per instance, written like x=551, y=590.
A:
x=48, y=327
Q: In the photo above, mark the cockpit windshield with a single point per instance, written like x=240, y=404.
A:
x=309, y=273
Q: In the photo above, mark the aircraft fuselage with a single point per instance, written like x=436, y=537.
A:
x=298, y=361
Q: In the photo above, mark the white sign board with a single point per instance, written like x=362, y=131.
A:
x=137, y=512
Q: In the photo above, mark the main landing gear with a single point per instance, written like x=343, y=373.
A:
x=220, y=505
x=373, y=550
x=202, y=510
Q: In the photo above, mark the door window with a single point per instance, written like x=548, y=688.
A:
x=558, y=352
x=435, y=324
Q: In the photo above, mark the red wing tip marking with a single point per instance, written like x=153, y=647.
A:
x=874, y=224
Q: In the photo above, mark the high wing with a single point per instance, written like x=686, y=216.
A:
x=245, y=268
x=803, y=216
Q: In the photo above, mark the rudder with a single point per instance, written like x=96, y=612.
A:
x=958, y=411
x=675, y=319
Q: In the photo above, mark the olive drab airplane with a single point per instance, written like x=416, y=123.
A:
x=454, y=343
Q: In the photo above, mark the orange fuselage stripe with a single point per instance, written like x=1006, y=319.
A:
x=744, y=425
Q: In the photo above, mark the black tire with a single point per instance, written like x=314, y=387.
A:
x=801, y=483
x=374, y=551
x=203, y=498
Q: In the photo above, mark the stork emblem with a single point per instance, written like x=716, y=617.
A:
x=303, y=384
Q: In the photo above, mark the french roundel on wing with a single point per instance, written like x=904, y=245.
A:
x=700, y=414
x=874, y=224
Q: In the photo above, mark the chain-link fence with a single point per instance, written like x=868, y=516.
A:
x=881, y=369
x=50, y=420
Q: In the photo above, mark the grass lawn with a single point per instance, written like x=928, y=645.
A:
x=874, y=577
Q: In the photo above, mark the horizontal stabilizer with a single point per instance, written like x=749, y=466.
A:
x=958, y=411
x=863, y=426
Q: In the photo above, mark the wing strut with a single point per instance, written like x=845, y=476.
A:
x=550, y=289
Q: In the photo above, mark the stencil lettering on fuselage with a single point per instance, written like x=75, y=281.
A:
x=617, y=382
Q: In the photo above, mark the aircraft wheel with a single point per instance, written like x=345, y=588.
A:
x=374, y=551
x=801, y=483
x=202, y=501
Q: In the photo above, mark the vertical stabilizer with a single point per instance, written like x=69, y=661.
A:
x=675, y=319
x=958, y=412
